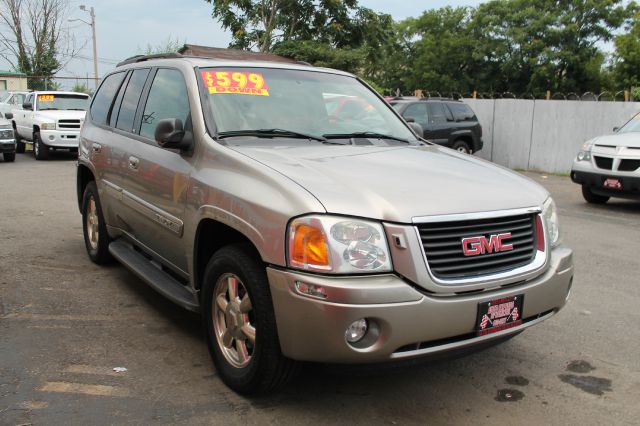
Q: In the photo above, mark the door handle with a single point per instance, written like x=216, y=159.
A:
x=96, y=147
x=134, y=163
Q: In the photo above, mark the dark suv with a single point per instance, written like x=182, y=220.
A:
x=444, y=121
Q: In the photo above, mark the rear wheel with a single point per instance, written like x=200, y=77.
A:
x=240, y=323
x=592, y=198
x=96, y=239
x=462, y=146
x=9, y=157
x=40, y=150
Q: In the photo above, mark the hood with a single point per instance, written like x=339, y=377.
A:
x=631, y=139
x=56, y=115
x=398, y=183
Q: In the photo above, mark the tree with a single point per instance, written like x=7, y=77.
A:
x=262, y=24
x=168, y=46
x=36, y=43
x=626, y=64
x=539, y=45
x=80, y=88
x=440, y=50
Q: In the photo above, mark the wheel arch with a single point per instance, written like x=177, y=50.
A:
x=83, y=177
x=211, y=236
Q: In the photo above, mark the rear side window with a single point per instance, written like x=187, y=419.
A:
x=438, y=113
x=168, y=98
x=103, y=98
x=418, y=112
x=129, y=105
x=461, y=112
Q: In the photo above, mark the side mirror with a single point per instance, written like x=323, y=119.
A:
x=8, y=115
x=170, y=134
x=417, y=129
x=27, y=105
x=615, y=129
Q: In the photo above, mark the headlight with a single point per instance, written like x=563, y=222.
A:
x=550, y=216
x=48, y=126
x=585, y=152
x=338, y=245
x=6, y=134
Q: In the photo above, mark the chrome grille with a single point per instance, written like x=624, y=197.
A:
x=442, y=244
x=68, y=124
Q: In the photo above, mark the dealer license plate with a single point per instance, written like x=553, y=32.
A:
x=612, y=183
x=500, y=314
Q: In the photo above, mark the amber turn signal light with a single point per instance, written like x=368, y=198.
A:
x=309, y=248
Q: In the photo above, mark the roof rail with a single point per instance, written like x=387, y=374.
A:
x=142, y=58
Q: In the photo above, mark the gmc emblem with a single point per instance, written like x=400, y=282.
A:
x=474, y=246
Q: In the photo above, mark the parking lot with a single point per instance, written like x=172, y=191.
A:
x=65, y=323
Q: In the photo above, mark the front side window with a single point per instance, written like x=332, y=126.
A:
x=314, y=103
x=167, y=98
x=417, y=112
x=103, y=99
x=62, y=101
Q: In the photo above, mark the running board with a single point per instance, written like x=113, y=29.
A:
x=162, y=282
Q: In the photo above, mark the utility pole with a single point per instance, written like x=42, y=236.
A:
x=93, y=30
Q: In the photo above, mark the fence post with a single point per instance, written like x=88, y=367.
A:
x=475, y=94
x=548, y=94
x=626, y=96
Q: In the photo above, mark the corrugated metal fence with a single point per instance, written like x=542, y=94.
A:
x=544, y=135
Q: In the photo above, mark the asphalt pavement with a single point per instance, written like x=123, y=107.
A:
x=65, y=324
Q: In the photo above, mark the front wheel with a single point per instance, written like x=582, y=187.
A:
x=462, y=146
x=9, y=157
x=20, y=145
x=592, y=198
x=40, y=150
x=240, y=323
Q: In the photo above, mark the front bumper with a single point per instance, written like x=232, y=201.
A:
x=410, y=323
x=60, y=138
x=7, y=145
x=584, y=173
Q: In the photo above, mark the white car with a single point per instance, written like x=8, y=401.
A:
x=49, y=120
x=609, y=166
x=10, y=100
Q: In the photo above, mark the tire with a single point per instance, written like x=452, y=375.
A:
x=40, y=150
x=263, y=368
x=462, y=146
x=20, y=145
x=592, y=198
x=9, y=157
x=97, y=244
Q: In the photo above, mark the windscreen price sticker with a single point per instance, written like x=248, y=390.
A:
x=46, y=98
x=235, y=82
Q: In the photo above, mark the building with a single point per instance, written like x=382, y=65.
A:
x=13, y=81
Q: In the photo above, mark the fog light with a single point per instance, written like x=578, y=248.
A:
x=51, y=137
x=356, y=331
x=311, y=290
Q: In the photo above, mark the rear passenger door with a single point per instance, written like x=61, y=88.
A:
x=156, y=180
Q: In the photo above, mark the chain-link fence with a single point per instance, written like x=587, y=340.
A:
x=16, y=82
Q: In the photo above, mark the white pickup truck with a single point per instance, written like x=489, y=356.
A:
x=49, y=120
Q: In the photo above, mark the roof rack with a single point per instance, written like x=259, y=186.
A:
x=142, y=58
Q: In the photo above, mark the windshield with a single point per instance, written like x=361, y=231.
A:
x=632, y=125
x=306, y=102
x=54, y=101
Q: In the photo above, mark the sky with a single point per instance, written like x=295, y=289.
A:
x=125, y=27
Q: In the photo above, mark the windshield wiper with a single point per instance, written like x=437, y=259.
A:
x=76, y=109
x=48, y=109
x=269, y=133
x=373, y=135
